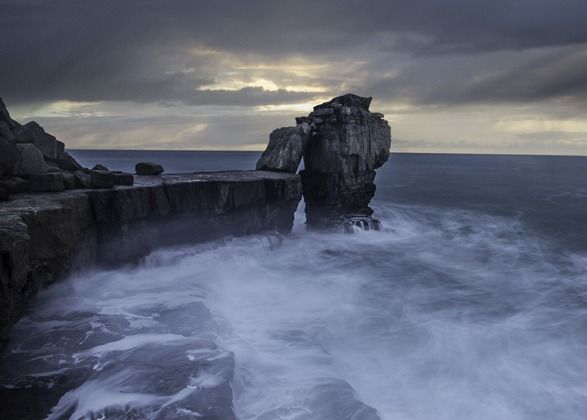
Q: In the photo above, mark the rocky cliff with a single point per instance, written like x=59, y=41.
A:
x=45, y=236
x=32, y=160
x=342, y=144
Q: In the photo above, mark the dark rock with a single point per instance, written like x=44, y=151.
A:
x=82, y=179
x=6, y=131
x=99, y=167
x=45, y=236
x=349, y=100
x=9, y=156
x=148, y=168
x=30, y=161
x=8, y=122
x=49, y=182
x=66, y=163
x=348, y=143
x=285, y=150
x=69, y=180
x=123, y=178
x=4, y=191
x=102, y=179
x=16, y=184
x=45, y=142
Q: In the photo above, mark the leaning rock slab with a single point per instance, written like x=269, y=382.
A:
x=285, y=150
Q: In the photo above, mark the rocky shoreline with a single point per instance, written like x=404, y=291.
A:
x=43, y=237
x=57, y=217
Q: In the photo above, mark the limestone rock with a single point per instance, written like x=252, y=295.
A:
x=45, y=142
x=9, y=156
x=48, y=182
x=68, y=180
x=82, y=179
x=285, y=150
x=30, y=161
x=123, y=178
x=16, y=184
x=4, y=191
x=5, y=120
x=66, y=162
x=348, y=143
x=102, y=179
x=148, y=168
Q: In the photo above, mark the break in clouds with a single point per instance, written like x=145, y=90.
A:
x=500, y=76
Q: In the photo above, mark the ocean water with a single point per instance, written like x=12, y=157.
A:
x=471, y=303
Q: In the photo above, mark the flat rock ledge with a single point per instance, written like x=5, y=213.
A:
x=46, y=236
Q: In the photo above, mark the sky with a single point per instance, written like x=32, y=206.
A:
x=467, y=76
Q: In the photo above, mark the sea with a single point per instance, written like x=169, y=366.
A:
x=470, y=303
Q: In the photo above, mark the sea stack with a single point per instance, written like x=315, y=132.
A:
x=343, y=143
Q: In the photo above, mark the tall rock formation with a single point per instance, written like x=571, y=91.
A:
x=345, y=144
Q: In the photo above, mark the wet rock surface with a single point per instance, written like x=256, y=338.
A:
x=43, y=237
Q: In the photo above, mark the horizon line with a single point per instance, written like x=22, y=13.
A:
x=261, y=151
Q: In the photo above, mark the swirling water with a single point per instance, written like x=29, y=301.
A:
x=471, y=303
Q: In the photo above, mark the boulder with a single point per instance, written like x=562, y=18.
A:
x=148, y=168
x=82, y=179
x=285, y=149
x=9, y=156
x=102, y=179
x=16, y=184
x=123, y=178
x=50, y=147
x=30, y=161
x=99, y=167
x=48, y=182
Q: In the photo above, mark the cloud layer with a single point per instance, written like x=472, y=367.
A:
x=96, y=64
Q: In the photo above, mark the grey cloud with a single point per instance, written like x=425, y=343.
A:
x=131, y=50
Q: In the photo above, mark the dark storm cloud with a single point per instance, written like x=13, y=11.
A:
x=501, y=77
x=136, y=50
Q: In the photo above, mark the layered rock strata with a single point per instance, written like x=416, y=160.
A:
x=45, y=236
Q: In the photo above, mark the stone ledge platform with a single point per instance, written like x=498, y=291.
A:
x=45, y=236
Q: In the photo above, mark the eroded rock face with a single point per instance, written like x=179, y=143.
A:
x=348, y=143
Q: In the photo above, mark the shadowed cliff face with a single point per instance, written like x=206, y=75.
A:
x=342, y=144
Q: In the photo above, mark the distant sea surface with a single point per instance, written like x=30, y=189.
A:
x=471, y=303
